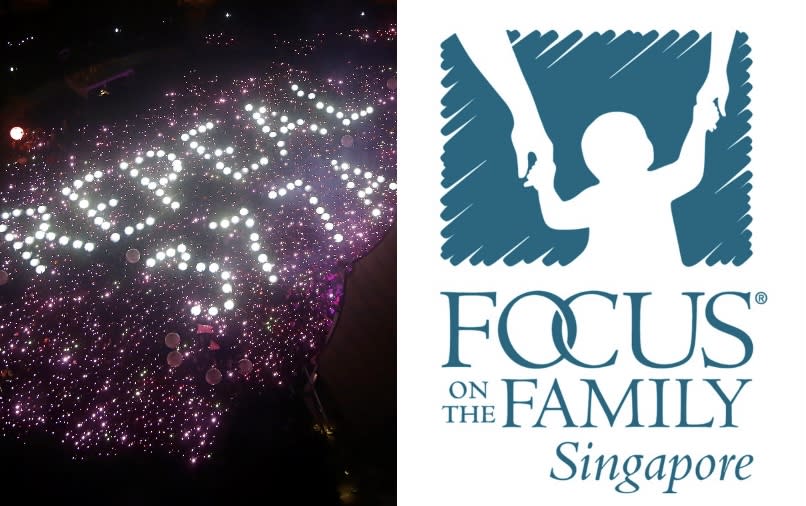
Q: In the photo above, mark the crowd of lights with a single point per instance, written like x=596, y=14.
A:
x=176, y=257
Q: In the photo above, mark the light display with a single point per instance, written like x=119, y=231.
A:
x=176, y=257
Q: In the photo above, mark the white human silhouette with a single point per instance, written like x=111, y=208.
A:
x=630, y=208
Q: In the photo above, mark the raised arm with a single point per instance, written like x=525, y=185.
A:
x=685, y=174
x=494, y=57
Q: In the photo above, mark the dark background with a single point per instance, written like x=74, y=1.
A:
x=327, y=441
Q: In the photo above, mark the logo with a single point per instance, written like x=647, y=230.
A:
x=566, y=148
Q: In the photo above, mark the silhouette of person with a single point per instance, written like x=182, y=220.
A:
x=630, y=206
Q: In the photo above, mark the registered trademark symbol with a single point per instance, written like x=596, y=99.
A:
x=761, y=298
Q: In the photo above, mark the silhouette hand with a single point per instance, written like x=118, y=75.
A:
x=715, y=88
x=706, y=116
x=541, y=174
x=526, y=141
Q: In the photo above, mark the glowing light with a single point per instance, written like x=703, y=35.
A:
x=16, y=133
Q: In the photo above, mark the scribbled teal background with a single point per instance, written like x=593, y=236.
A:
x=490, y=216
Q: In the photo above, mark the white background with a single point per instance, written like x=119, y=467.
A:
x=486, y=464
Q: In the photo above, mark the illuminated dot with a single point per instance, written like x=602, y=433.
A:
x=267, y=266
x=128, y=230
x=226, y=288
x=319, y=105
x=213, y=267
x=182, y=266
x=272, y=194
x=181, y=248
x=328, y=226
x=150, y=221
x=370, y=110
x=255, y=246
x=243, y=212
x=338, y=237
x=151, y=262
x=262, y=258
x=195, y=310
x=160, y=255
x=212, y=311
x=250, y=222
x=273, y=278
x=83, y=204
x=77, y=244
x=329, y=109
x=114, y=237
x=226, y=275
x=224, y=223
x=354, y=116
x=264, y=161
x=248, y=108
x=149, y=153
x=228, y=305
x=213, y=225
x=201, y=267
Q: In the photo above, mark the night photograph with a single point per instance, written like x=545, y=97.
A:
x=198, y=252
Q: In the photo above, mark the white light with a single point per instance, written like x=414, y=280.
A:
x=267, y=267
x=264, y=161
x=139, y=226
x=283, y=152
x=151, y=262
x=170, y=252
x=282, y=191
x=166, y=200
x=328, y=226
x=325, y=217
x=89, y=246
x=63, y=240
x=18, y=245
x=174, y=205
x=272, y=194
x=393, y=186
x=345, y=122
x=300, y=93
x=150, y=221
x=226, y=288
x=338, y=237
x=225, y=275
x=134, y=172
x=184, y=138
x=320, y=210
x=182, y=266
x=34, y=262
x=98, y=220
x=113, y=202
x=249, y=222
x=128, y=230
x=224, y=223
x=329, y=109
x=150, y=153
x=50, y=236
x=262, y=258
x=195, y=310
x=254, y=237
x=351, y=185
x=186, y=257
x=280, y=144
x=294, y=87
x=160, y=256
x=202, y=129
x=138, y=160
x=235, y=219
x=194, y=145
x=311, y=96
x=354, y=116
x=370, y=110
x=248, y=108
x=262, y=110
x=84, y=204
x=319, y=105
x=229, y=304
x=214, y=267
x=65, y=191
x=39, y=235
x=323, y=131
x=181, y=248
x=40, y=269
x=78, y=244
x=314, y=127
x=227, y=171
x=200, y=267
x=200, y=149
x=255, y=246
x=41, y=209
x=340, y=115
x=290, y=186
x=192, y=132
x=46, y=217
x=209, y=125
x=171, y=157
x=160, y=153
x=29, y=240
x=218, y=152
x=9, y=237
x=26, y=255
x=73, y=197
x=291, y=126
x=237, y=176
x=213, y=225
x=114, y=237
x=243, y=212
x=272, y=278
